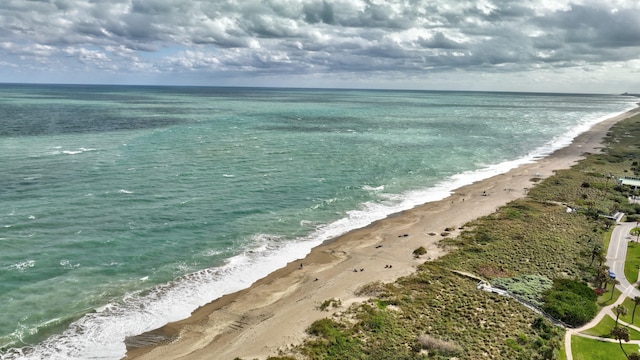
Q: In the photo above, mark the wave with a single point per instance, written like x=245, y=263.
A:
x=101, y=334
x=78, y=151
x=23, y=266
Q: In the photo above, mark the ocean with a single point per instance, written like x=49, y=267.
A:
x=126, y=207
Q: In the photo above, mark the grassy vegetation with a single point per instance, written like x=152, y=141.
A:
x=606, y=299
x=562, y=354
x=632, y=263
x=330, y=303
x=469, y=320
x=629, y=304
x=603, y=329
x=588, y=349
x=437, y=314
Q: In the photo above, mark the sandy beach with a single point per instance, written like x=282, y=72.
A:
x=275, y=311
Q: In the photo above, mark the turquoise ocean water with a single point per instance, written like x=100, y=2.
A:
x=123, y=208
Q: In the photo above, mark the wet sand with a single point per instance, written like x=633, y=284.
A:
x=275, y=311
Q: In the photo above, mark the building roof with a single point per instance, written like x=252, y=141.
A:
x=630, y=181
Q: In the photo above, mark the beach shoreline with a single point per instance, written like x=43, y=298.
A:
x=274, y=312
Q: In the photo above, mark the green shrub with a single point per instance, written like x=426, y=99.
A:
x=571, y=301
x=334, y=303
x=325, y=328
x=419, y=251
x=527, y=287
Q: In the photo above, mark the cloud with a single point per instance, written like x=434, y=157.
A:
x=301, y=37
x=317, y=12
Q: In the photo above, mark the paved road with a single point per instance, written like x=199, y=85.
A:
x=616, y=255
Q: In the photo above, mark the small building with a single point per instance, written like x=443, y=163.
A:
x=630, y=181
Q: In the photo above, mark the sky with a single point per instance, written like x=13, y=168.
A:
x=583, y=46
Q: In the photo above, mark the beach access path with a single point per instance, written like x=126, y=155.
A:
x=616, y=255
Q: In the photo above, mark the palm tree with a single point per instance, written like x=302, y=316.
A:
x=636, y=301
x=621, y=333
x=613, y=283
x=620, y=310
x=594, y=253
x=601, y=257
x=609, y=223
x=602, y=274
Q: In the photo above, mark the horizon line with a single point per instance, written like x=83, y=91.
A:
x=258, y=87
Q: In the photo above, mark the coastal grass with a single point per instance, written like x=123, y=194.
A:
x=588, y=349
x=435, y=304
x=530, y=238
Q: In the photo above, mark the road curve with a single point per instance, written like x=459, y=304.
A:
x=616, y=255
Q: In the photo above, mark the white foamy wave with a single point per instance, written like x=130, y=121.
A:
x=77, y=151
x=123, y=191
x=373, y=189
x=57, y=150
x=21, y=332
x=66, y=264
x=101, y=334
x=23, y=266
x=308, y=224
x=323, y=203
x=567, y=138
x=394, y=203
x=213, y=252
